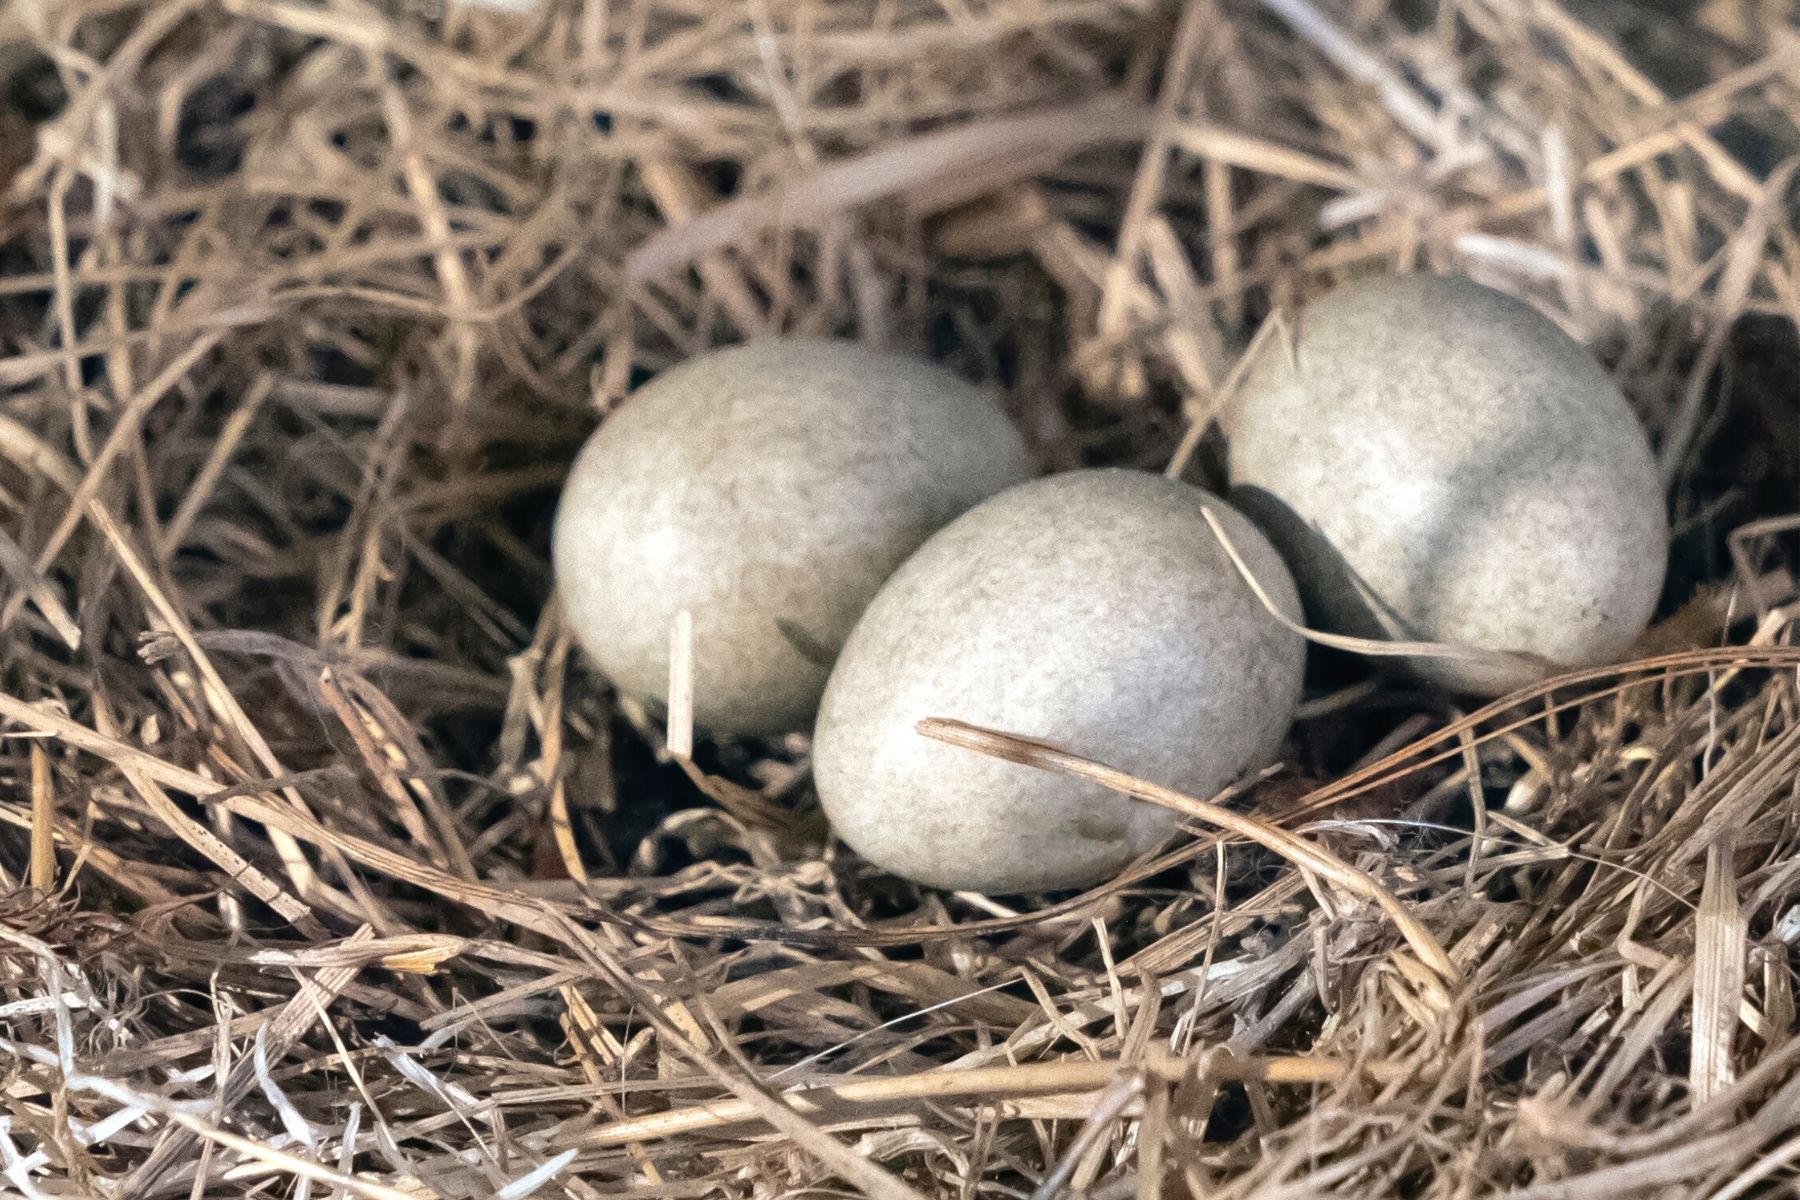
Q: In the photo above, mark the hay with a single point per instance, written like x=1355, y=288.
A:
x=326, y=869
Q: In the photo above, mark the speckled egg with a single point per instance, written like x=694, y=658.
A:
x=769, y=489
x=1439, y=462
x=1094, y=610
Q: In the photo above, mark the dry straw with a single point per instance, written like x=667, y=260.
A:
x=326, y=867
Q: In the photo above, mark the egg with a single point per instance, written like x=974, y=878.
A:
x=767, y=489
x=1439, y=462
x=1095, y=610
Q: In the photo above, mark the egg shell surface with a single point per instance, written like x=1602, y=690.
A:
x=1095, y=610
x=769, y=489
x=1439, y=462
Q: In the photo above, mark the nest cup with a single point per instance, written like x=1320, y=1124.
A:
x=329, y=866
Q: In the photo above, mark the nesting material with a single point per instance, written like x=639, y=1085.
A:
x=301, y=310
x=1095, y=610
x=1439, y=462
x=769, y=490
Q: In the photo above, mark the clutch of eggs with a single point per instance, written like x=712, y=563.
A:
x=1439, y=462
x=768, y=489
x=1435, y=461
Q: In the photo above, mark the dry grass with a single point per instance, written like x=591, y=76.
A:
x=326, y=869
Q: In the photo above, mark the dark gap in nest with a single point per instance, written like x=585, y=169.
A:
x=21, y=316
x=649, y=790
x=946, y=337
x=1751, y=457
x=883, y=899
x=1736, y=690
x=324, y=209
x=462, y=739
x=640, y=375
x=464, y=190
x=361, y=141
x=720, y=85
x=1459, y=808
x=1231, y=1116
x=721, y=175
x=208, y=141
x=34, y=88
x=395, y=1027
x=1758, y=138
x=330, y=364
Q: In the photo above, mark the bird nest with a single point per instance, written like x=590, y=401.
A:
x=328, y=869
